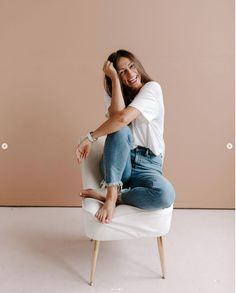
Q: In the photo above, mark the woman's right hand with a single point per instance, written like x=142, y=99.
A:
x=109, y=70
x=83, y=150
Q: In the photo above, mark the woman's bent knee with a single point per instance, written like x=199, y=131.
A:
x=124, y=131
x=123, y=134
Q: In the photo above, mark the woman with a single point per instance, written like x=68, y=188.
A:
x=134, y=147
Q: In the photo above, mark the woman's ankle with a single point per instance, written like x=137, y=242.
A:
x=112, y=191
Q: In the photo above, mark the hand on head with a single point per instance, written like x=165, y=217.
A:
x=109, y=70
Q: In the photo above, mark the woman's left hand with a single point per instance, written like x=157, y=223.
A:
x=109, y=70
x=83, y=150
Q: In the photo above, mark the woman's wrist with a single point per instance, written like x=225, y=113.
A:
x=90, y=137
x=115, y=78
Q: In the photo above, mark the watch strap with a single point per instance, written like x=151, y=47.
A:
x=90, y=137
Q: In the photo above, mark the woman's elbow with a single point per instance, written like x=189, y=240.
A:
x=128, y=115
x=123, y=118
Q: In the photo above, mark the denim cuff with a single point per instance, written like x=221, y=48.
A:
x=119, y=184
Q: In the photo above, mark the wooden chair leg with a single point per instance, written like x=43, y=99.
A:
x=161, y=254
x=94, y=260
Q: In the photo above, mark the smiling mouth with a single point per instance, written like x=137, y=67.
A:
x=133, y=80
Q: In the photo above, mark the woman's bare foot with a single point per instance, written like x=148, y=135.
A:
x=93, y=193
x=105, y=213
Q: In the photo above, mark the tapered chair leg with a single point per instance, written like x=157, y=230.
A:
x=161, y=254
x=94, y=260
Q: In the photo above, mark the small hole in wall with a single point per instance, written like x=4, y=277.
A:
x=229, y=146
x=4, y=146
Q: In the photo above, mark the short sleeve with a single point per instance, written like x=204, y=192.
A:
x=149, y=100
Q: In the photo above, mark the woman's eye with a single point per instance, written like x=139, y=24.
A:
x=132, y=66
x=123, y=72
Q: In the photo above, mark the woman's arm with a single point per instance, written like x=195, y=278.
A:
x=113, y=124
x=119, y=115
x=116, y=122
x=117, y=100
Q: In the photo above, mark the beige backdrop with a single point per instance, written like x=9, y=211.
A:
x=51, y=56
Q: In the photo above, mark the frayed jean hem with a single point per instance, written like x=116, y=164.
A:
x=119, y=184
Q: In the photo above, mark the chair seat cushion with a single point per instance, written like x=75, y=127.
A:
x=128, y=222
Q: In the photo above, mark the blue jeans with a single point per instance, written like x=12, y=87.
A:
x=138, y=170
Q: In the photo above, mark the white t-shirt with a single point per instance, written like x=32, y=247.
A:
x=148, y=127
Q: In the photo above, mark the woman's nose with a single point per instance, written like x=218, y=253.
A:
x=129, y=73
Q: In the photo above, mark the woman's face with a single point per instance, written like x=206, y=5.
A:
x=128, y=73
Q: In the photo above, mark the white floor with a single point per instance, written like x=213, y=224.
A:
x=44, y=250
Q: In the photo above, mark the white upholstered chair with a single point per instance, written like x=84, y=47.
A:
x=127, y=222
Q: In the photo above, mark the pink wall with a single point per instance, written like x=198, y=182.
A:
x=51, y=57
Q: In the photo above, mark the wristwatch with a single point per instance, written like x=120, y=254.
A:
x=90, y=137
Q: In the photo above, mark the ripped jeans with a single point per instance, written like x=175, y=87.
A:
x=138, y=170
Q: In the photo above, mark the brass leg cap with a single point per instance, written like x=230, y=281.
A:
x=90, y=283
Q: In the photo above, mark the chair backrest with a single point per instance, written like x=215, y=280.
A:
x=90, y=172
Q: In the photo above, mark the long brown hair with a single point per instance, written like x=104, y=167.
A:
x=127, y=93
